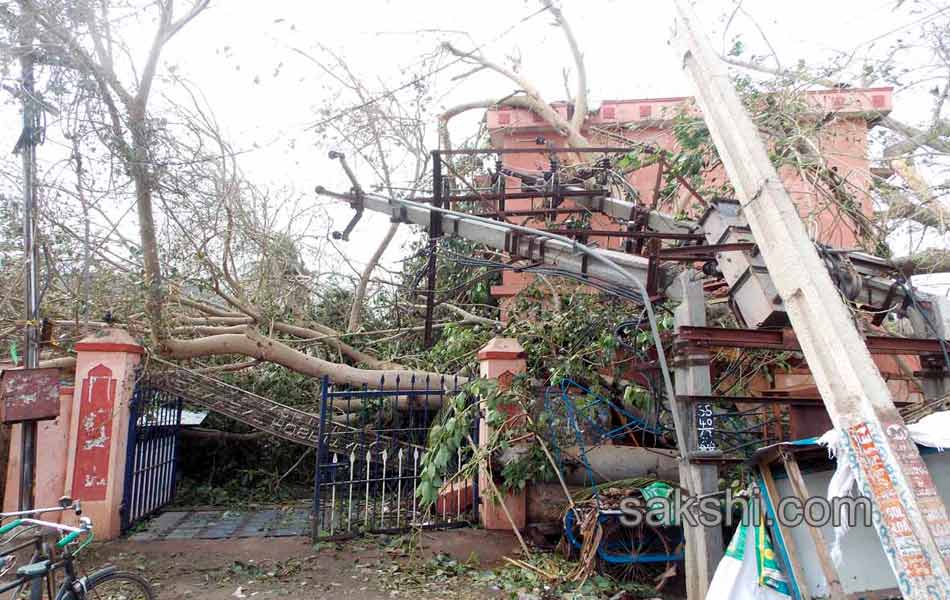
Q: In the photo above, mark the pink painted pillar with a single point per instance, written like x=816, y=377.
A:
x=99, y=426
x=52, y=441
x=501, y=359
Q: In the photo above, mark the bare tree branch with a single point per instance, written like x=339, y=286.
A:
x=580, y=97
x=531, y=94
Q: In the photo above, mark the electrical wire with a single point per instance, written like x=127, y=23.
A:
x=603, y=286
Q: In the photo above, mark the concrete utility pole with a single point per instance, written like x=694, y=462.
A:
x=26, y=147
x=914, y=529
x=704, y=546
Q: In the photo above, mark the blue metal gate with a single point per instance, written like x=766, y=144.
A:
x=152, y=455
x=369, y=459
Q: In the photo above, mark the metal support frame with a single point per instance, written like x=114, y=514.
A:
x=914, y=529
x=540, y=150
x=501, y=197
x=930, y=315
x=638, y=235
x=435, y=232
x=357, y=194
x=774, y=400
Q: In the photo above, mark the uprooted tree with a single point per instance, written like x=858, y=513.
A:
x=232, y=276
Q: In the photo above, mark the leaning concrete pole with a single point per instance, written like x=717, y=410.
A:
x=914, y=529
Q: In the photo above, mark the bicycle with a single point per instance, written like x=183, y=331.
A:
x=105, y=584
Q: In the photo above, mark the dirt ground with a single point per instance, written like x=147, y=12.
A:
x=366, y=569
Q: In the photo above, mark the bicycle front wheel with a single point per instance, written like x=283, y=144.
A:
x=118, y=585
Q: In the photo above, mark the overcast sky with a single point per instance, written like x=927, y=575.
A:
x=239, y=54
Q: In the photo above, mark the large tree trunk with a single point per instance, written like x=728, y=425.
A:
x=154, y=294
x=253, y=344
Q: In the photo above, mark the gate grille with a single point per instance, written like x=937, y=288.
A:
x=367, y=472
x=152, y=456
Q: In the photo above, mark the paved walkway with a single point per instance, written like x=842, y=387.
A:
x=217, y=525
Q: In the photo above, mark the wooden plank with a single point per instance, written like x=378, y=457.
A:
x=791, y=548
x=821, y=548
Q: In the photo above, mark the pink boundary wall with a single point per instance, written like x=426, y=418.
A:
x=82, y=453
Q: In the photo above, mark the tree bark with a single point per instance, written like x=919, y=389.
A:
x=929, y=212
x=359, y=297
x=253, y=344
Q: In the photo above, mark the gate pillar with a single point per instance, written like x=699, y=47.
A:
x=99, y=426
x=501, y=358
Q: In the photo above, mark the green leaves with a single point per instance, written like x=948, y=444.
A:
x=446, y=438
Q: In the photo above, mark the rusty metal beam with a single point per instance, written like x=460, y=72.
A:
x=534, y=212
x=790, y=400
x=543, y=150
x=494, y=196
x=784, y=339
x=704, y=252
x=630, y=234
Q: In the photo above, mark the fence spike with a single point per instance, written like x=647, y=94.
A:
x=382, y=499
x=415, y=481
x=333, y=495
x=366, y=522
x=399, y=488
x=349, y=503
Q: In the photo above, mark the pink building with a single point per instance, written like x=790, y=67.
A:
x=848, y=114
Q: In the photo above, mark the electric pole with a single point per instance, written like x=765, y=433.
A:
x=26, y=147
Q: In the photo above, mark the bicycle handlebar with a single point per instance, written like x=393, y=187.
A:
x=68, y=539
x=65, y=504
x=10, y=526
x=72, y=532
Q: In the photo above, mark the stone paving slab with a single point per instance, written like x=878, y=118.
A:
x=216, y=525
x=291, y=522
x=257, y=524
x=228, y=522
x=160, y=526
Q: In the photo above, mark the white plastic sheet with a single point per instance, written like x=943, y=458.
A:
x=748, y=570
x=932, y=431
